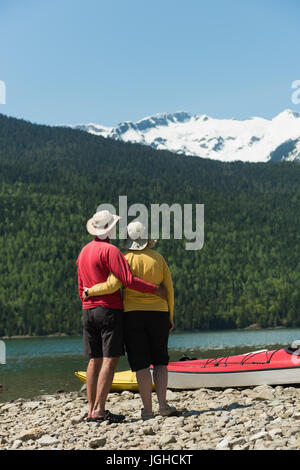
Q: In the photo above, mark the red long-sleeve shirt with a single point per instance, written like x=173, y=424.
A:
x=95, y=261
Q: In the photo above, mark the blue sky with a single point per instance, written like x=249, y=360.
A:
x=79, y=61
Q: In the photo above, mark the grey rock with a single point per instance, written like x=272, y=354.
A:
x=275, y=432
x=77, y=419
x=127, y=394
x=31, y=434
x=97, y=442
x=264, y=395
x=172, y=396
x=16, y=444
x=258, y=436
x=32, y=405
x=148, y=431
x=238, y=441
x=224, y=444
x=47, y=441
x=167, y=439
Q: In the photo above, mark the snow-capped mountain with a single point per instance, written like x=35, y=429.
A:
x=254, y=139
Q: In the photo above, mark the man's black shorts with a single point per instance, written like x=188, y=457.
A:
x=146, y=338
x=103, y=332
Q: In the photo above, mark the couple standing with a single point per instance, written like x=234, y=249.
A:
x=142, y=319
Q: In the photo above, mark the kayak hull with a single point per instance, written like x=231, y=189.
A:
x=277, y=367
x=125, y=380
x=190, y=381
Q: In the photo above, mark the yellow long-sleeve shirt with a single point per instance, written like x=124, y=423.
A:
x=150, y=266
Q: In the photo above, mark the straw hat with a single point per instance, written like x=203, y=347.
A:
x=138, y=239
x=101, y=223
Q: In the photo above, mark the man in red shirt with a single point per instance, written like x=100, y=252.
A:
x=103, y=315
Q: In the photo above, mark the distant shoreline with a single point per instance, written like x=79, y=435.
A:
x=52, y=335
x=57, y=335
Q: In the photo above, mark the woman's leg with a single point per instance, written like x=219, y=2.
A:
x=144, y=380
x=136, y=341
x=160, y=378
x=159, y=335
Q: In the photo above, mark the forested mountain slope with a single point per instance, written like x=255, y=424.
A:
x=51, y=181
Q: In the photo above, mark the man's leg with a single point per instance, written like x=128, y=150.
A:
x=105, y=379
x=92, y=374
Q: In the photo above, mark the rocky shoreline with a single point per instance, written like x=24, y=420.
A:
x=259, y=418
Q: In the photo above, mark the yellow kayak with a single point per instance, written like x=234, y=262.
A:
x=125, y=380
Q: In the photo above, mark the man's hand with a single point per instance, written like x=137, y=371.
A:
x=171, y=326
x=161, y=291
x=85, y=293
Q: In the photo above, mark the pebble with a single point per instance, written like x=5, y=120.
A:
x=78, y=419
x=148, y=431
x=47, y=441
x=16, y=444
x=259, y=418
x=224, y=444
x=97, y=442
x=167, y=439
x=31, y=434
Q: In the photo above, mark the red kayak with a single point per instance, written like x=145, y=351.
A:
x=279, y=366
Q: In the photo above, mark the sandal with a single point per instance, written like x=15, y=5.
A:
x=168, y=411
x=145, y=415
x=113, y=418
x=108, y=416
x=96, y=420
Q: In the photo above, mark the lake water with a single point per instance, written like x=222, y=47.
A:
x=45, y=365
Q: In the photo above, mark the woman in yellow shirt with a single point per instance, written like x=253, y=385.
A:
x=148, y=318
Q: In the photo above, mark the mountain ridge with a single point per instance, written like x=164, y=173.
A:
x=253, y=139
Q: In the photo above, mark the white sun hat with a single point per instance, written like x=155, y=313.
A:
x=137, y=236
x=101, y=223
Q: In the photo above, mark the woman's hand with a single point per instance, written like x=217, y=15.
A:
x=161, y=291
x=85, y=293
x=171, y=326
